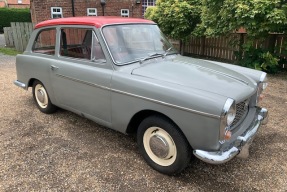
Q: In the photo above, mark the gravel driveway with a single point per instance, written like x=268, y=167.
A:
x=65, y=152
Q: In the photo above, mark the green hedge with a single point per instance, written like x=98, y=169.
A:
x=8, y=15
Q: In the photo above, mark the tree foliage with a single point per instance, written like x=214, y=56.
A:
x=179, y=19
x=176, y=18
x=258, y=17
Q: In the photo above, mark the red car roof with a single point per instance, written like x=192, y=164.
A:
x=92, y=21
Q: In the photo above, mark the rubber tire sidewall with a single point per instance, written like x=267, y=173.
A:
x=50, y=107
x=182, y=146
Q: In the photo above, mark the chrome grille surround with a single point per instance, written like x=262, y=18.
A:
x=241, y=112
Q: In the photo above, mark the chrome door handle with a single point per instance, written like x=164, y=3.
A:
x=53, y=67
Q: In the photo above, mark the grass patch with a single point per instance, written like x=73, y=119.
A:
x=9, y=51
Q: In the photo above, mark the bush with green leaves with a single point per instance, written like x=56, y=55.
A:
x=8, y=15
x=258, y=17
x=258, y=58
x=180, y=19
x=176, y=18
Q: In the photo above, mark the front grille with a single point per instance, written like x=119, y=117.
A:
x=241, y=111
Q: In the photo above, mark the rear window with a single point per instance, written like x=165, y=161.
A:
x=45, y=42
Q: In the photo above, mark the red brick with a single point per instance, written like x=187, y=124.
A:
x=41, y=9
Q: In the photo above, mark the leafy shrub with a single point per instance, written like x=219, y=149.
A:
x=258, y=58
x=8, y=15
x=177, y=19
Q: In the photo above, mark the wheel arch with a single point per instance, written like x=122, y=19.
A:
x=141, y=115
x=31, y=81
x=138, y=118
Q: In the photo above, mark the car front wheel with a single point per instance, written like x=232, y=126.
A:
x=163, y=145
x=42, y=99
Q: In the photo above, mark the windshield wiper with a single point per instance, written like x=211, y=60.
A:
x=167, y=51
x=151, y=56
x=156, y=54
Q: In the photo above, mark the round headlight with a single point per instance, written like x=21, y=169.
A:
x=229, y=111
x=227, y=117
x=230, y=115
x=263, y=81
x=261, y=86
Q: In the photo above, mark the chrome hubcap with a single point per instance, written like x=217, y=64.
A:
x=159, y=146
x=41, y=96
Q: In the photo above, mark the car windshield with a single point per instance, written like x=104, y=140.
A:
x=136, y=42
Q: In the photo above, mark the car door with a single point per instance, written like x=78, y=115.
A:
x=81, y=77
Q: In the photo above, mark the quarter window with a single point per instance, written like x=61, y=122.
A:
x=56, y=12
x=92, y=12
x=125, y=12
x=45, y=42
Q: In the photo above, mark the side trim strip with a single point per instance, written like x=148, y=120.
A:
x=167, y=104
x=141, y=97
x=84, y=82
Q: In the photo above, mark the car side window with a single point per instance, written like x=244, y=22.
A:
x=45, y=42
x=76, y=43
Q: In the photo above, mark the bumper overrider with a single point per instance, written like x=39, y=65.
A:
x=240, y=147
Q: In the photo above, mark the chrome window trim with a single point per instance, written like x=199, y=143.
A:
x=141, y=97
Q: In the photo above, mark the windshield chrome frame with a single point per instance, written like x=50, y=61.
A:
x=108, y=48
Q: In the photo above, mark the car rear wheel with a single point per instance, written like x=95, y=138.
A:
x=163, y=145
x=42, y=99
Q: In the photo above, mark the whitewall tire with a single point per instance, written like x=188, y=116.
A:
x=42, y=99
x=163, y=145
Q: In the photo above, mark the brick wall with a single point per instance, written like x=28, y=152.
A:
x=15, y=4
x=2, y=4
x=18, y=6
x=41, y=9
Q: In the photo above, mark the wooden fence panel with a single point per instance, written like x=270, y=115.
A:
x=8, y=37
x=224, y=48
x=281, y=46
x=18, y=35
x=219, y=47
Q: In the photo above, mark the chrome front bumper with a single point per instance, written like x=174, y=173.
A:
x=240, y=147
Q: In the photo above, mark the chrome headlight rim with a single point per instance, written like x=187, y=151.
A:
x=263, y=81
x=261, y=86
x=227, y=117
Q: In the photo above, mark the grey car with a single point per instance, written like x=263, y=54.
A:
x=124, y=74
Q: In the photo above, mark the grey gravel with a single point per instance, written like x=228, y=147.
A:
x=65, y=152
